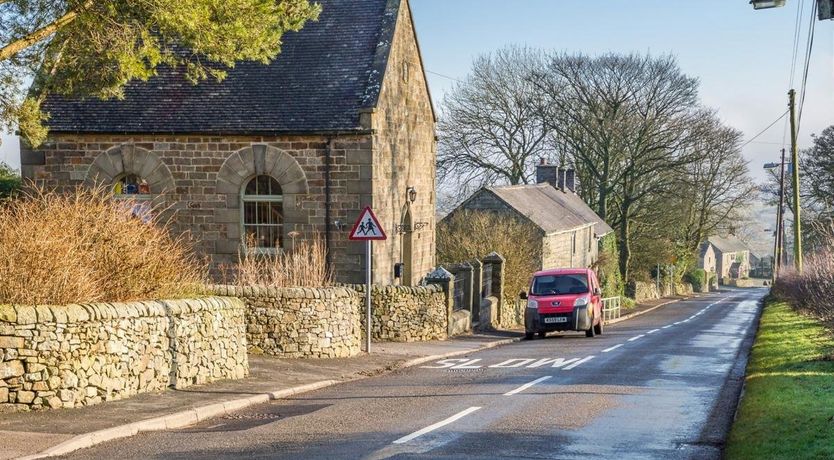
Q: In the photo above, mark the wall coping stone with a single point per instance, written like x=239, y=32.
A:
x=334, y=292
x=74, y=313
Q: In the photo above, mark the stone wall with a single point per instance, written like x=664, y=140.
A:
x=640, y=291
x=406, y=314
x=299, y=322
x=78, y=355
x=403, y=123
x=570, y=249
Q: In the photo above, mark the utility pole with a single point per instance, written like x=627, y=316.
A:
x=797, y=226
x=780, y=242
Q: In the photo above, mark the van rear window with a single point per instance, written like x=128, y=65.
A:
x=560, y=284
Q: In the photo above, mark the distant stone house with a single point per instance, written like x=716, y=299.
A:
x=731, y=258
x=342, y=119
x=570, y=230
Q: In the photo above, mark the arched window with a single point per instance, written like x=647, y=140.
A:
x=137, y=193
x=131, y=186
x=263, y=213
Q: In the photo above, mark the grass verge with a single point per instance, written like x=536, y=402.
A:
x=788, y=406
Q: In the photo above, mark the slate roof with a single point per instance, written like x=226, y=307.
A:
x=324, y=76
x=551, y=209
x=727, y=244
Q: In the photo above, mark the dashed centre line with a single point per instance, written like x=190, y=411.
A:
x=612, y=348
x=666, y=326
x=437, y=425
x=636, y=337
x=652, y=331
x=527, y=385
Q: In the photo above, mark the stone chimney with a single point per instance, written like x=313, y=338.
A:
x=570, y=180
x=546, y=173
x=560, y=178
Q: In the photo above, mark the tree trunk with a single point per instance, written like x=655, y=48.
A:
x=624, y=242
x=22, y=43
x=603, y=201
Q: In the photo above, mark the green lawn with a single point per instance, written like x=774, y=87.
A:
x=787, y=410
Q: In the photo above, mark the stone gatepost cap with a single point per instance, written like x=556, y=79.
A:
x=439, y=273
x=494, y=257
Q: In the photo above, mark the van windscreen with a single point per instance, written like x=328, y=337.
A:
x=560, y=284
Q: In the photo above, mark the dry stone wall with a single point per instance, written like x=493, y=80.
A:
x=406, y=314
x=300, y=322
x=78, y=355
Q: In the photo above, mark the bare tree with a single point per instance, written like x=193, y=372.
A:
x=713, y=190
x=491, y=129
x=626, y=122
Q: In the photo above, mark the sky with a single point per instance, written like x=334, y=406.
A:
x=741, y=56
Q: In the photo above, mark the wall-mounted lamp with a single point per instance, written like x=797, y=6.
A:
x=339, y=225
x=412, y=194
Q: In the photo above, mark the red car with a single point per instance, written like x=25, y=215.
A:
x=565, y=299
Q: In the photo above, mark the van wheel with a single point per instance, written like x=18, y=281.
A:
x=598, y=328
x=542, y=334
x=529, y=335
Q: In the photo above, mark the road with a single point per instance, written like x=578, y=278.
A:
x=662, y=385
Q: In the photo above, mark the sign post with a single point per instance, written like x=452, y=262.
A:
x=367, y=229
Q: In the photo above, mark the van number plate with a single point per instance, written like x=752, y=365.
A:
x=556, y=319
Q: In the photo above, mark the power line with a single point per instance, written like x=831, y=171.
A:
x=809, y=49
x=797, y=28
x=444, y=76
x=765, y=130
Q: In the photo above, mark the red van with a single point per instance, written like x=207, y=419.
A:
x=565, y=299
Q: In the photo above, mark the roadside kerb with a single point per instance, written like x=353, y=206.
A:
x=199, y=414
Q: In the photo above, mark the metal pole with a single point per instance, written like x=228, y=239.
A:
x=368, y=325
x=777, y=255
x=797, y=225
x=657, y=281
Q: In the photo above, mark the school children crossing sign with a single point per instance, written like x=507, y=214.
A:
x=367, y=227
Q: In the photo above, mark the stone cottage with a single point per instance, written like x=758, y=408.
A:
x=340, y=120
x=570, y=230
x=731, y=258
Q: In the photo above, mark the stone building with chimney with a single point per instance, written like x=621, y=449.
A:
x=570, y=230
x=340, y=120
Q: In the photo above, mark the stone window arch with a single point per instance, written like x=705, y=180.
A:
x=128, y=163
x=262, y=214
x=235, y=175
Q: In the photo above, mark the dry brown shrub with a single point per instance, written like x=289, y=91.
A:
x=468, y=235
x=84, y=246
x=303, y=265
x=812, y=291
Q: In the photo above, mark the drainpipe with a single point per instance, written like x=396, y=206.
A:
x=327, y=204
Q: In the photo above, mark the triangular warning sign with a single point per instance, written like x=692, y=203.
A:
x=367, y=227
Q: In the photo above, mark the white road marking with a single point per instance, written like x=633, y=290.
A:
x=515, y=362
x=667, y=326
x=557, y=362
x=612, y=348
x=652, y=331
x=636, y=337
x=437, y=425
x=676, y=323
x=468, y=364
x=445, y=363
x=526, y=386
x=583, y=360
